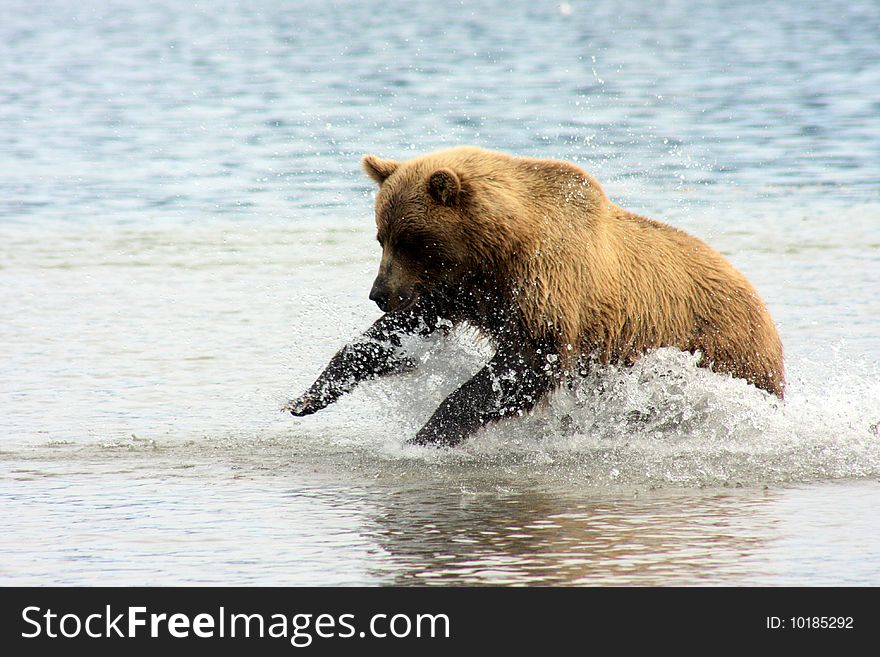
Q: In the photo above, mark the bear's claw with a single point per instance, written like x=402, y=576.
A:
x=301, y=406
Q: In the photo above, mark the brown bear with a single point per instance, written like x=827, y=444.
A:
x=533, y=254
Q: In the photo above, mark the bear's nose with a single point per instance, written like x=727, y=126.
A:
x=380, y=295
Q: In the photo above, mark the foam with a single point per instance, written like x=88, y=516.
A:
x=663, y=422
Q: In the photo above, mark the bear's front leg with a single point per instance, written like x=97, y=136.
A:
x=356, y=362
x=504, y=387
x=378, y=352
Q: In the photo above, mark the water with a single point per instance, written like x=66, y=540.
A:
x=186, y=237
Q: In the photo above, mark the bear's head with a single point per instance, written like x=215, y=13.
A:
x=418, y=215
x=493, y=238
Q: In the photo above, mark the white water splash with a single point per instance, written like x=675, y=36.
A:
x=663, y=422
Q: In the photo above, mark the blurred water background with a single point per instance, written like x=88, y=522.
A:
x=186, y=237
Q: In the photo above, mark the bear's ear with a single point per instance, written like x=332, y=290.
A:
x=444, y=186
x=379, y=169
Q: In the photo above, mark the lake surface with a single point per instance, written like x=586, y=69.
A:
x=186, y=238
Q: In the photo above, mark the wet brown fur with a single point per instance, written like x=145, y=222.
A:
x=585, y=275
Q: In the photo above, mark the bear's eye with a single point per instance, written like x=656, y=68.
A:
x=417, y=247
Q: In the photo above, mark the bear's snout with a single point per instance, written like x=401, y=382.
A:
x=390, y=298
x=380, y=294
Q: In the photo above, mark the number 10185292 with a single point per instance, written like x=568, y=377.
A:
x=810, y=623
